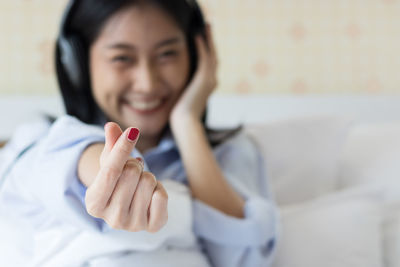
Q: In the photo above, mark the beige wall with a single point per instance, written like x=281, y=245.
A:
x=265, y=46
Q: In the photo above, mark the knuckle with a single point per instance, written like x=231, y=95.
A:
x=156, y=226
x=111, y=172
x=152, y=229
x=125, y=149
x=149, y=179
x=113, y=224
x=93, y=210
x=116, y=221
x=124, y=224
x=92, y=206
x=140, y=222
x=136, y=226
x=132, y=168
x=160, y=196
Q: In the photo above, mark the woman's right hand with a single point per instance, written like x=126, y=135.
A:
x=122, y=194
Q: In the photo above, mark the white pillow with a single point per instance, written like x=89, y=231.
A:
x=389, y=192
x=301, y=155
x=339, y=230
x=391, y=236
x=371, y=154
x=391, y=224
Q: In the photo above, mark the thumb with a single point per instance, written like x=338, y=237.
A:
x=112, y=133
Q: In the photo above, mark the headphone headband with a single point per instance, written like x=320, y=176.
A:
x=67, y=15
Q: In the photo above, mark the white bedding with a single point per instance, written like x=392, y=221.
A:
x=69, y=246
x=356, y=223
x=348, y=216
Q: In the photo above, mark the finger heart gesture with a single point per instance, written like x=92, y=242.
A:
x=123, y=194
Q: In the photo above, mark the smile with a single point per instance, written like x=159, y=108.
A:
x=146, y=106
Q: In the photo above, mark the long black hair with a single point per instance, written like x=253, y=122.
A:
x=83, y=22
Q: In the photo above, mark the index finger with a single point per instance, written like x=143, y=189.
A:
x=122, y=150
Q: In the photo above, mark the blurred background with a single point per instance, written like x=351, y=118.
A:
x=278, y=59
x=268, y=49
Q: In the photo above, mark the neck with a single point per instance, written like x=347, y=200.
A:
x=146, y=143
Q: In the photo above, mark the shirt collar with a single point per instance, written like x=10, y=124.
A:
x=166, y=143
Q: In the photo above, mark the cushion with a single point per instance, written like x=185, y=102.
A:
x=371, y=154
x=301, y=155
x=391, y=236
x=341, y=229
x=371, y=157
x=391, y=223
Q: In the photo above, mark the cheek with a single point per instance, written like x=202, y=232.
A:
x=177, y=75
x=106, y=83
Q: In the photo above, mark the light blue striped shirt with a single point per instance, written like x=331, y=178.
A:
x=41, y=192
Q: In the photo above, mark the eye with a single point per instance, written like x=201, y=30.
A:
x=122, y=59
x=168, y=54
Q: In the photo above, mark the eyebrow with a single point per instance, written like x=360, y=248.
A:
x=126, y=46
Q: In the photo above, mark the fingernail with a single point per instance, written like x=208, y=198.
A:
x=133, y=134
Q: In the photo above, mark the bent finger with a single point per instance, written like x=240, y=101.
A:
x=141, y=201
x=158, y=210
x=125, y=188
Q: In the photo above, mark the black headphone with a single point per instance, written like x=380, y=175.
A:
x=72, y=66
x=71, y=49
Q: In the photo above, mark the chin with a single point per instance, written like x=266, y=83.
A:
x=147, y=127
x=152, y=131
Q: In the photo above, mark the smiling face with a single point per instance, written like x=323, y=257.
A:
x=139, y=65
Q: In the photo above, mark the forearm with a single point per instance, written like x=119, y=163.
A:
x=205, y=177
x=89, y=163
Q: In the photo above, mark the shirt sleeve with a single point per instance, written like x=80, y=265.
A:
x=47, y=173
x=43, y=190
x=249, y=241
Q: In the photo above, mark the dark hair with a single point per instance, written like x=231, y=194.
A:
x=84, y=21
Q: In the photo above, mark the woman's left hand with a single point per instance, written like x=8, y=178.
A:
x=194, y=98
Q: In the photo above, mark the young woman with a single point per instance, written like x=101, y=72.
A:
x=132, y=175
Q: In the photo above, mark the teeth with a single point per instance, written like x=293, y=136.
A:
x=146, y=105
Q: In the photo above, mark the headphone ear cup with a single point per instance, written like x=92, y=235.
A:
x=73, y=61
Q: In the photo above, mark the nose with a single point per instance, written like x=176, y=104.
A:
x=145, y=77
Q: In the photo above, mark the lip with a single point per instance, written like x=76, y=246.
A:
x=145, y=112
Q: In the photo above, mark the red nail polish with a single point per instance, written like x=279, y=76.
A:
x=133, y=134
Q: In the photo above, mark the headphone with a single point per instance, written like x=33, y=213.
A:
x=72, y=53
x=71, y=50
x=72, y=65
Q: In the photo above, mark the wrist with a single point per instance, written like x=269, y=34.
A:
x=182, y=120
x=88, y=165
x=185, y=124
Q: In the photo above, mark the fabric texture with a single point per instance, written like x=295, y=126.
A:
x=371, y=154
x=342, y=229
x=301, y=155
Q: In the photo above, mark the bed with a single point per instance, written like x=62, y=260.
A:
x=332, y=163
